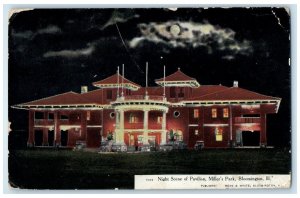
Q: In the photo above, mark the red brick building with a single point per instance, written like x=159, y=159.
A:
x=219, y=116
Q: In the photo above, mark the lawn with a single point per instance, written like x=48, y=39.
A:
x=65, y=169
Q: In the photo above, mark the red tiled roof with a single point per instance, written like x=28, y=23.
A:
x=206, y=89
x=177, y=76
x=114, y=80
x=234, y=93
x=68, y=98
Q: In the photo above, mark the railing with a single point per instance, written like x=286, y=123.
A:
x=142, y=97
x=247, y=120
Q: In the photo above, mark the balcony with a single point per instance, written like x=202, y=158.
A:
x=241, y=120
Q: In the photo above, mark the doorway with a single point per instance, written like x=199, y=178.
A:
x=250, y=138
x=38, y=137
x=64, y=138
x=51, y=138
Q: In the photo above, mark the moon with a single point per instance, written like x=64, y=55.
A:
x=175, y=30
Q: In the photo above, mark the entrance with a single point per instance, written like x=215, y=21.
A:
x=38, y=138
x=250, y=138
x=64, y=138
x=51, y=138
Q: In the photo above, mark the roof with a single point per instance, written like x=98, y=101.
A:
x=116, y=80
x=233, y=93
x=68, y=98
x=178, y=78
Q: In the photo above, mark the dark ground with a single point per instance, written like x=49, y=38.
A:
x=65, y=169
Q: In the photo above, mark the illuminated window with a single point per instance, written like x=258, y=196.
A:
x=196, y=113
x=88, y=115
x=133, y=118
x=225, y=113
x=196, y=132
x=219, y=134
x=213, y=112
x=159, y=119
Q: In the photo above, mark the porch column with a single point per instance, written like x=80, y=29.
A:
x=30, y=141
x=120, y=127
x=83, y=125
x=45, y=137
x=164, y=130
x=145, y=138
x=263, y=131
x=57, y=140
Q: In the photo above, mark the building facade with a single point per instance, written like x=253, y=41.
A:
x=177, y=109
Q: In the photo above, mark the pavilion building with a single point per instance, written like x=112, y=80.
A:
x=178, y=109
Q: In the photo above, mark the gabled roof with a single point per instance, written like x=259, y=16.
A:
x=233, y=93
x=115, y=81
x=178, y=79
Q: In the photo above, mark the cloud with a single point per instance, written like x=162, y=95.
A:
x=71, y=53
x=176, y=34
x=119, y=16
x=50, y=29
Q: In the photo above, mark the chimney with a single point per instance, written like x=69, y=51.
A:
x=235, y=83
x=84, y=89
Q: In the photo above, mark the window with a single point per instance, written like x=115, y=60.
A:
x=213, y=112
x=219, y=134
x=50, y=116
x=176, y=114
x=133, y=118
x=109, y=94
x=140, y=139
x=181, y=93
x=112, y=115
x=159, y=119
x=196, y=113
x=64, y=117
x=38, y=115
x=225, y=113
x=88, y=115
x=172, y=92
x=196, y=132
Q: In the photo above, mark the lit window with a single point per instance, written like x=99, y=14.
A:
x=196, y=113
x=88, y=115
x=225, y=113
x=159, y=119
x=133, y=118
x=219, y=134
x=213, y=112
x=196, y=132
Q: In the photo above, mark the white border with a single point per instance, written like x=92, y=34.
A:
x=151, y=3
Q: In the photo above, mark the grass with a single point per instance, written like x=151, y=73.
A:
x=65, y=169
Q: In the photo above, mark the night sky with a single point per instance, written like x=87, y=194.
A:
x=59, y=50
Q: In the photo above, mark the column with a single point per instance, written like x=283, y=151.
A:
x=30, y=141
x=83, y=125
x=120, y=127
x=164, y=128
x=45, y=137
x=145, y=138
x=263, y=131
x=57, y=140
